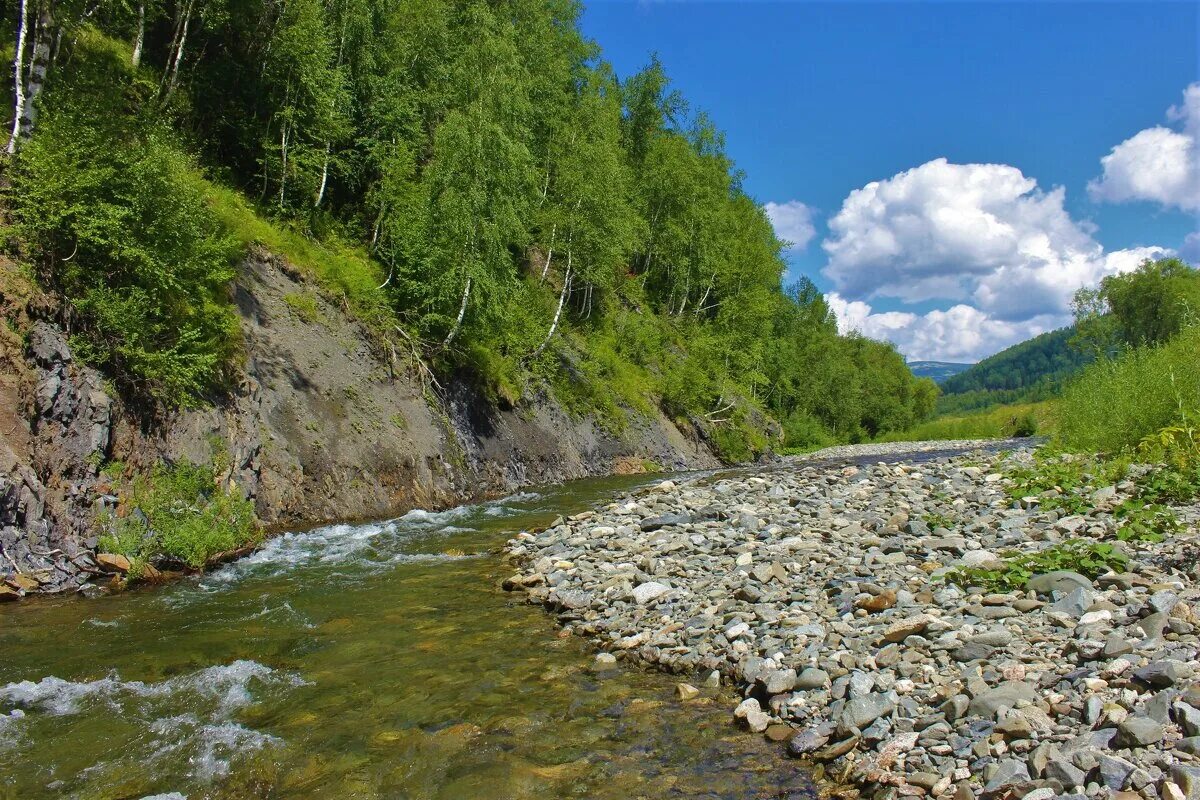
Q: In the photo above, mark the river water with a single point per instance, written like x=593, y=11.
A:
x=377, y=660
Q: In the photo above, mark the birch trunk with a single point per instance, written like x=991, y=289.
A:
x=462, y=311
x=141, y=36
x=19, y=78
x=38, y=65
x=324, y=178
x=549, y=255
x=562, y=299
x=283, y=154
x=179, y=48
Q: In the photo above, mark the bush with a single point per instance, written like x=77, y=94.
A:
x=179, y=514
x=1116, y=404
x=110, y=209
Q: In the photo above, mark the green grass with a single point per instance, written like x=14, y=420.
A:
x=1000, y=422
x=343, y=271
x=1115, y=404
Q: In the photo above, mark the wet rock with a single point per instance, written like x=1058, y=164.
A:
x=685, y=691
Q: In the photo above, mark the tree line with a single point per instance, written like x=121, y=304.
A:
x=534, y=219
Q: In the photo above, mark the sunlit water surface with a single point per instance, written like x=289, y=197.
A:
x=355, y=661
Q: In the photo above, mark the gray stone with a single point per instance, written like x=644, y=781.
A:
x=1114, y=772
x=648, y=591
x=1063, y=581
x=1139, y=732
x=1188, y=718
x=812, y=678
x=1187, y=778
x=1064, y=773
x=779, y=681
x=1008, y=772
x=1164, y=674
x=1006, y=695
x=1075, y=603
x=862, y=711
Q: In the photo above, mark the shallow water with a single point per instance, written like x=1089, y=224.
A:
x=355, y=661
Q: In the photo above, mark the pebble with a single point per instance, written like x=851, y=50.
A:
x=821, y=590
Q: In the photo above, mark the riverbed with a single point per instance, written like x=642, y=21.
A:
x=378, y=660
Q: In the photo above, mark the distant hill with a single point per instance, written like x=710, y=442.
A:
x=1028, y=371
x=938, y=370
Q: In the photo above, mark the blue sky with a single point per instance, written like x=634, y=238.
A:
x=820, y=99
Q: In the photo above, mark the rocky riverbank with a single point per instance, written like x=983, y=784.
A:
x=819, y=591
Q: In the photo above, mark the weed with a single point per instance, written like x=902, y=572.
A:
x=1015, y=569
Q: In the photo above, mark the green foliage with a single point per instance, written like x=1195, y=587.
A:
x=1000, y=422
x=1145, y=522
x=1117, y=403
x=1148, y=306
x=304, y=306
x=105, y=203
x=937, y=520
x=472, y=174
x=179, y=514
x=1078, y=555
x=1026, y=372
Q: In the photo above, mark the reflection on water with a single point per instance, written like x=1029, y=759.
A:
x=354, y=661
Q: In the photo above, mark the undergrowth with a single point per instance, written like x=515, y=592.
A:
x=178, y=515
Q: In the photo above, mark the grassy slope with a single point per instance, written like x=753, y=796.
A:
x=998, y=422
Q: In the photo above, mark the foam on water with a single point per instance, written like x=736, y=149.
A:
x=228, y=685
x=188, y=716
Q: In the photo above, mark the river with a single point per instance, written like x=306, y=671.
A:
x=375, y=660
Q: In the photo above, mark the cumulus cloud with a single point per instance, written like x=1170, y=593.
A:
x=793, y=222
x=984, y=237
x=1158, y=164
x=959, y=333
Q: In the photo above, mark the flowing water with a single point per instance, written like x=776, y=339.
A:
x=355, y=661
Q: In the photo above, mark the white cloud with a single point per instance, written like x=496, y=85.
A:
x=959, y=333
x=984, y=237
x=793, y=222
x=1158, y=164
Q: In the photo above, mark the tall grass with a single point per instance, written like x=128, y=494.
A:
x=1001, y=422
x=1114, y=404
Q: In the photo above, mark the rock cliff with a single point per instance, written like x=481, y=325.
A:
x=322, y=422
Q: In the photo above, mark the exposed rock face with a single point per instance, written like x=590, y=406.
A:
x=325, y=422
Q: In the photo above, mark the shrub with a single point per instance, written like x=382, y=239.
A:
x=180, y=515
x=1115, y=404
x=110, y=209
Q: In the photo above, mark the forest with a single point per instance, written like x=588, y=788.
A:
x=472, y=179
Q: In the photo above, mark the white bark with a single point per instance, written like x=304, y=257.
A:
x=38, y=66
x=562, y=299
x=141, y=35
x=180, y=44
x=462, y=311
x=283, y=154
x=549, y=255
x=19, y=78
x=324, y=178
